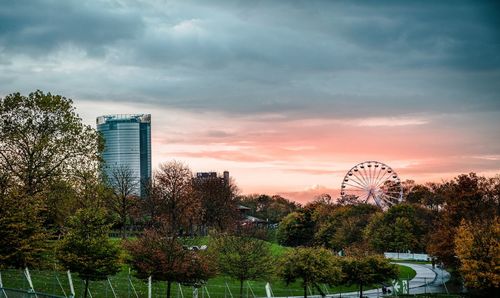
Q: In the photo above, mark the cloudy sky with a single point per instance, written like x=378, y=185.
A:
x=286, y=95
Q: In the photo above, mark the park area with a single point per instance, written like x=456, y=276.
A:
x=126, y=284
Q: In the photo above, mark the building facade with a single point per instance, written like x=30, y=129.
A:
x=127, y=145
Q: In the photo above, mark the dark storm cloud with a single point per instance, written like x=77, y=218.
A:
x=37, y=27
x=300, y=58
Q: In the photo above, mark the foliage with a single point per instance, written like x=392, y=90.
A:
x=164, y=258
x=296, y=229
x=403, y=227
x=41, y=138
x=367, y=270
x=242, y=258
x=217, y=201
x=343, y=227
x=272, y=209
x=22, y=236
x=467, y=197
x=477, y=246
x=86, y=249
x=177, y=204
x=312, y=265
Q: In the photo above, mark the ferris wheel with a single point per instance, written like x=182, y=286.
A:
x=372, y=182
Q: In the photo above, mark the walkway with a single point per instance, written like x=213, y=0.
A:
x=426, y=280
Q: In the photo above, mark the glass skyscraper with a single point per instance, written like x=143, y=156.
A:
x=127, y=144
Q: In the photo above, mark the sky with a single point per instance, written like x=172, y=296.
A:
x=286, y=95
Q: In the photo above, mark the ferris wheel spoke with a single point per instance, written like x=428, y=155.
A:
x=361, y=181
x=362, y=190
x=355, y=186
x=372, y=173
x=364, y=198
x=363, y=176
x=367, y=176
x=395, y=198
x=378, y=174
x=382, y=179
x=357, y=182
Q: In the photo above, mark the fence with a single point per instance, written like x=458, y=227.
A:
x=16, y=293
x=124, y=285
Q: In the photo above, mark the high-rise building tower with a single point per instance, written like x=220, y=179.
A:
x=127, y=145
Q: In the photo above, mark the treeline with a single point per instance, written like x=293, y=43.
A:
x=456, y=222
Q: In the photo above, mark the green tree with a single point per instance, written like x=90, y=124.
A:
x=243, y=258
x=86, y=248
x=477, y=246
x=367, y=270
x=344, y=225
x=312, y=265
x=403, y=227
x=42, y=138
x=272, y=209
x=22, y=237
x=297, y=229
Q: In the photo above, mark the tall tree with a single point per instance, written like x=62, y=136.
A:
x=22, y=237
x=174, y=191
x=217, y=201
x=366, y=270
x=86, y=248
x=243, y=258
x=313, y=266
x=477, y=246
x=124, y=187
x=41, y=138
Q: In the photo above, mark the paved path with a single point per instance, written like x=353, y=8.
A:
x=426, y=280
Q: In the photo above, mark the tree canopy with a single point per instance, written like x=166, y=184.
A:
x=42, y=137
x=243, y=258
x=86, y=248
x=311, y=265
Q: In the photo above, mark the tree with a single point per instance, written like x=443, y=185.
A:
x=297, y=229
x=22, y=237
x=367, y=270
x=477, y=246
x=312, y=265
x=41, y=138
x=217, y=201
x=86, y=248
x=123, y=199
x=467, y=197
x=174, y=191
x=164, y=258
x=272, y=209
x=401, y=228
x=243, y=258
x=344, y=225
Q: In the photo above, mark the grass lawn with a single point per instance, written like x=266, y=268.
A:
x=47, y=281
x=125, y=285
